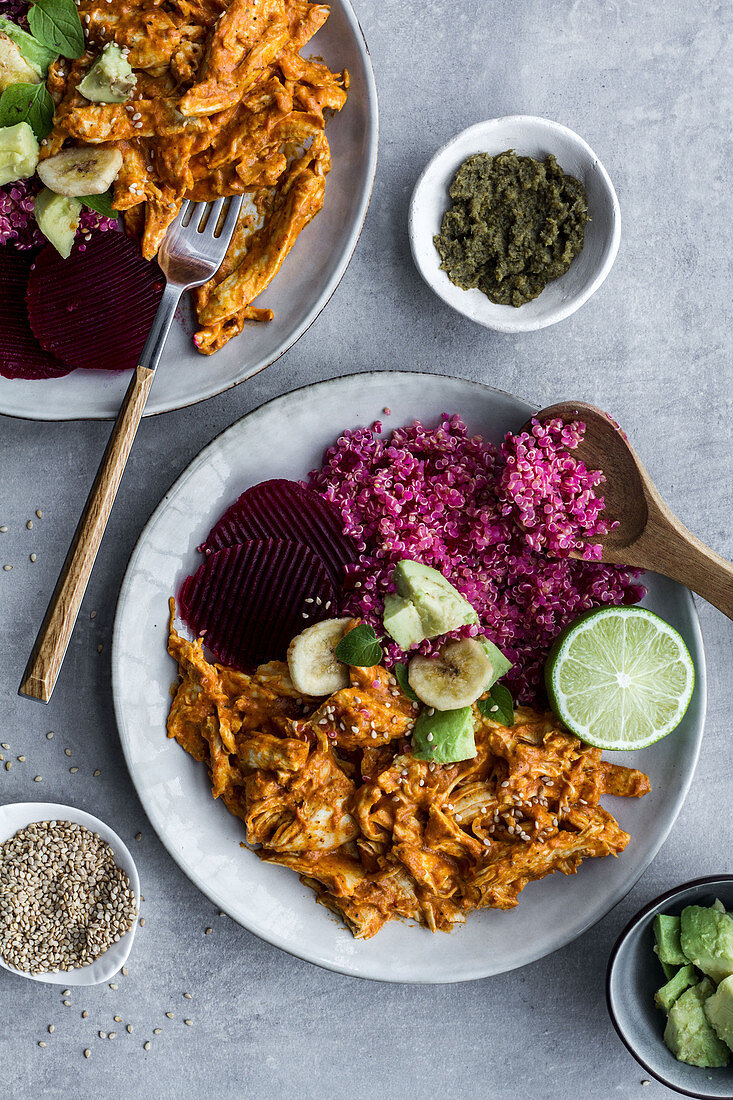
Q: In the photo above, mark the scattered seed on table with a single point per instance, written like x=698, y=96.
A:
x=4, y=528
x=117, y=1019
x=87, y=1053
x=188, y=1023
x=97, y=772
x=7, y=568
x=100, y=647
x=157, y=1030
x=112, y=985
x=21, y=760
x=39, y=513
x=67, y=752
x=67, y=1003
x=51, y=1029
x=92, y=614
x=37, y=778
x=84, y=1014
x=138, y=836
x=188, y=996
x=128, y=1029
x=4, y=745
x=73, y=771
x=8, y=765
x=29, y=525
x=65, y=992
x=146, y=1045
x=112, y=1035
x=142, y=922
x=42, y=1044
x=102, y=1034
x=208, y=931
x=34, y=557
x=169, y=1015
x=124, y=970
x=49, y=735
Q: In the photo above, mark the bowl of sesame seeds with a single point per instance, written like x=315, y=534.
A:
x=69, y=895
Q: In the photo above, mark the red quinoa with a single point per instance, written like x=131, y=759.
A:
x=498, y=522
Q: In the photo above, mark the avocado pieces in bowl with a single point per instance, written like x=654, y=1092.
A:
x=654, y=1002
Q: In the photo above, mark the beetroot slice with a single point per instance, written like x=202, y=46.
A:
x=21, y=356
x=252, y=599
x=286, y=510
x=95, y=309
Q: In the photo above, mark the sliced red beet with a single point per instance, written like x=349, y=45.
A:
x=286, y=510
x=252, y=599
x=21, y=356
x=96, y=308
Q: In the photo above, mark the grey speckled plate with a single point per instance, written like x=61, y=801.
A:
x=303, y=286
x=286, y=438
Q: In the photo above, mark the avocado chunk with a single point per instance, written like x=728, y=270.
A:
x=718, y=906
x=38, y=57
x=14, y=69
x=58, y=220
x=402, y=621
x=667, y=935
x=689, y=1035
x=110, y=79
x=439, y=607
x=499, y=661
x=445, y=736
x=719, y=1011
x=18, y=152
x=675, y=987
x=706, y=937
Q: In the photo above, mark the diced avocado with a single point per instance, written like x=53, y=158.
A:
x=18, y=152
x=38, y=57
x=498, y=660
x=402, y=622
x=689, y=1035
x=110, y=79
x=58, y=220
x=440, y=606
x=669, y=971
x=14, y=69
x=445, y=736
x=718, y=906
x=706, y=937
x=675, y=987
x=667, y=935
x=719, y=1011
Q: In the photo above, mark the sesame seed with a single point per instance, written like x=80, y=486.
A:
x=37, y=778
x=29, y=525
x=188, y=1023
x=208, y=931
x=113, y=985
x=117, y=1019
x=21, y=760
x=169, y=1015
x=188, y=995
x=128, y=1029
x=73, y=770
x=142, y=922
x=87, y=1053
x=157, y=1030
x=7, y=568
x=84, y=1014
x=146, y=1045
x=49, y=735
x=67, y=1004
x=51, y=1029
x=96, y=773
x=34, y=557
x=138, y=836
x=42, y=1044
x=67, y=752
x=39, y=513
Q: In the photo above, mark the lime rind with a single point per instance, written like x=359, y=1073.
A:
x=620, y=678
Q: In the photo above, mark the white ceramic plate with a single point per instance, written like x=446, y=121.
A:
x=529, y=136
x=16, y=816
x=204, y=838
x=302, y=288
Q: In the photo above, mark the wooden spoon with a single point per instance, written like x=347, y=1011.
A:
x=649, y=535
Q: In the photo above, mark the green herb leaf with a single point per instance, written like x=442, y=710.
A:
x=499, y=705
x=29, y=103
x=101, y=203
x=56, y=24
x=400, y=672
x=359, y=647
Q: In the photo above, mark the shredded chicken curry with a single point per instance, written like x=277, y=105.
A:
x=330, y=789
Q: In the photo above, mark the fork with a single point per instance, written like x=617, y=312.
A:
x=192, y=251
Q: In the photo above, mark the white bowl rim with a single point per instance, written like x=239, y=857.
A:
x=668, y=897
x=610, y=250
x=57, y=811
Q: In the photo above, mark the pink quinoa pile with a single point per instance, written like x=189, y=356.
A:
x=498, y=522
x=18, y=225
x=16, y=11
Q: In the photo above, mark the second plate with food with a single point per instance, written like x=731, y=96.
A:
x=205, y=839
x=301, y=289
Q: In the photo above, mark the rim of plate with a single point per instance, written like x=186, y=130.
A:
x=329, y=289
x=270, y=935
x=660, y=899
x=432, y=275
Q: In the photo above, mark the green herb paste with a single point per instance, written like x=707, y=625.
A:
x=514, y=225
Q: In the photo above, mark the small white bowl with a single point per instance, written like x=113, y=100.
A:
x=17, y=816
x=533, y=137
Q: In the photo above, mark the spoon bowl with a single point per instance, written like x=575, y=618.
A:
x=646, y=533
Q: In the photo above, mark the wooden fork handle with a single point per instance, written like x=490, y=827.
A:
x=45, y=661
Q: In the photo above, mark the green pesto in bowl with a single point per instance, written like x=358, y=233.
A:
x=514, y=225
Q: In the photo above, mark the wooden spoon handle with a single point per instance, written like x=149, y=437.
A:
x=682, y=556
x=45, y=661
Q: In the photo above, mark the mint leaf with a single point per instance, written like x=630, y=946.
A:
x=499, y=705
x=101, y=203
x=29, y=103
x=359, y=647
x=400, y=672
x=56, y=24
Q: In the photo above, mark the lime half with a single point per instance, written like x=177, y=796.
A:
x=620, y=678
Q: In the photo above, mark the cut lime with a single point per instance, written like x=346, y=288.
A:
x=620, y=678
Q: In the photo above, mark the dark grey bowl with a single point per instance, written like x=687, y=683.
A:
x=634, y=974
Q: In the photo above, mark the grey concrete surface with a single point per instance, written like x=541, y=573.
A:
x=647, y=85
